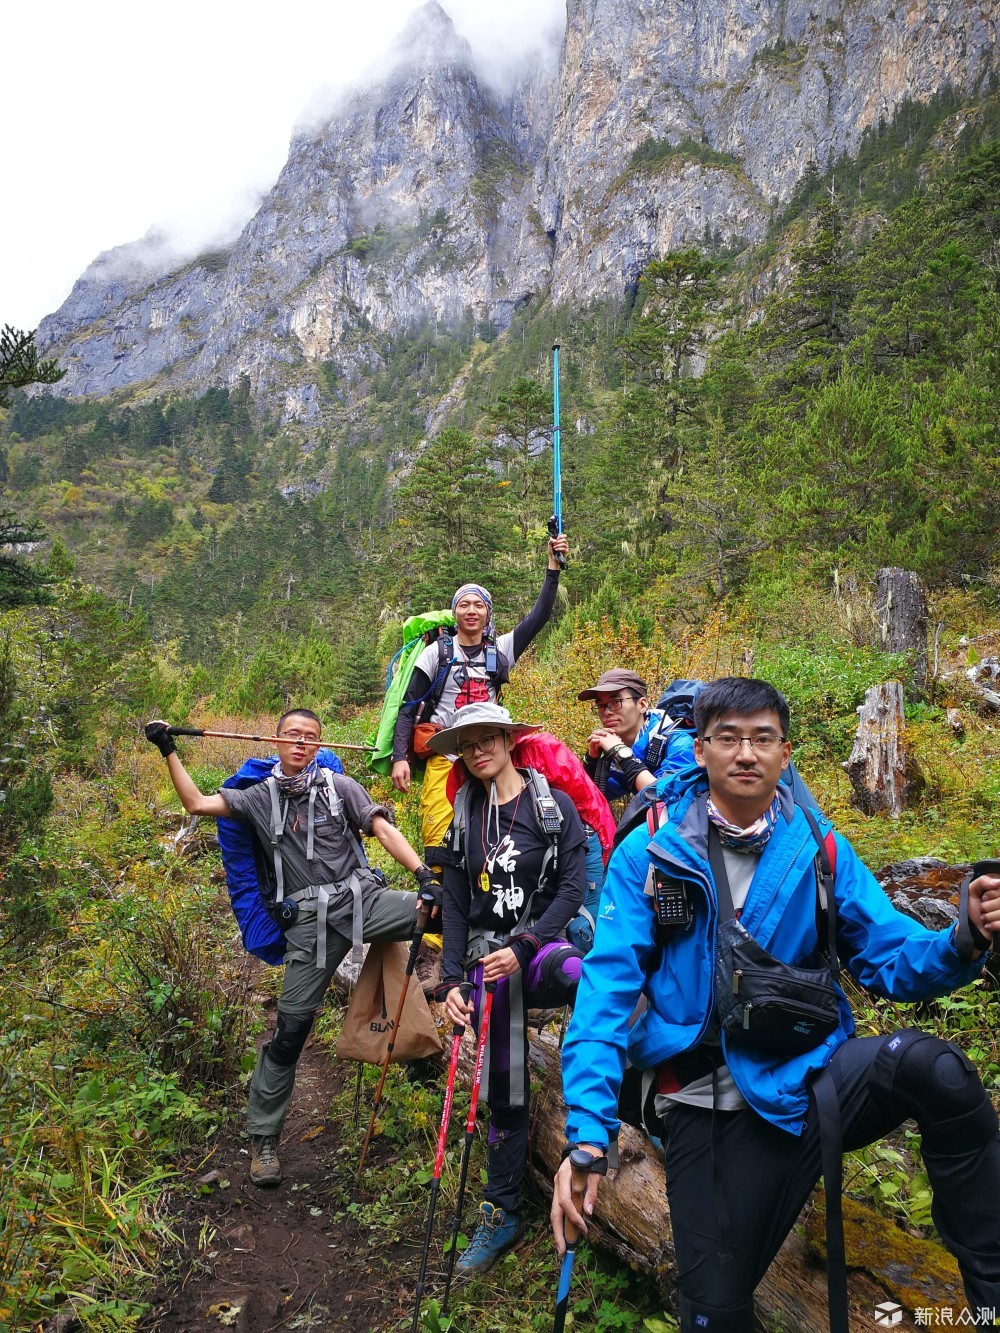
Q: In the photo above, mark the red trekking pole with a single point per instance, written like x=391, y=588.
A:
x=470, y=1130
x=449, y=1094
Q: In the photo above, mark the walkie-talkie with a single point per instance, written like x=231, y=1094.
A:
x=672, y=901
x=549, y=815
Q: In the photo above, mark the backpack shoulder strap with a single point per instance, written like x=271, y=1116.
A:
x=550, y=821
x=826, y=863
x=337, y=811
x=276, y=831
x=655, y=816
x=457, y=836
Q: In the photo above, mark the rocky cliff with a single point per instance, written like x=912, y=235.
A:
x=426, y=195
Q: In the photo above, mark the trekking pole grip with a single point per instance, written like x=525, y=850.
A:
x=581, y=1164
x=989, y=867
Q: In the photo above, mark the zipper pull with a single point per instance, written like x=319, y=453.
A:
x=746, y=1018
x=736, y=981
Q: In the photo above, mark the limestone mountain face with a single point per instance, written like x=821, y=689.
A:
x=767, y=87
x=425, y=194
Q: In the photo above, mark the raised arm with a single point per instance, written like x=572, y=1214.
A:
x=526, y=630
x=193, y=801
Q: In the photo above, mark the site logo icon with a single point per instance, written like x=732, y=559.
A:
x=888, y=1314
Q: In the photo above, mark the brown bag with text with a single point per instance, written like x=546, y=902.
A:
x=372, y=1011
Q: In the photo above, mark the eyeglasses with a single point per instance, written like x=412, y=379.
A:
x=306, y=738
x=727, y=743
x=485, y=744
x=612, y=705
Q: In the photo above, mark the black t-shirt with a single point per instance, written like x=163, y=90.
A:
x=512, y=864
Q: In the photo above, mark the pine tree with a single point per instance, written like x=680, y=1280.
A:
x=20, y=364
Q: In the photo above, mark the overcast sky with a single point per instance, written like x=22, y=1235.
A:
x=119, y=116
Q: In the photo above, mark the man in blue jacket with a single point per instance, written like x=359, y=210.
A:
x=739, y=1122
x=632, y=744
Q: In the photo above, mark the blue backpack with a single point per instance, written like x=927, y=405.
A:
x=248, y=867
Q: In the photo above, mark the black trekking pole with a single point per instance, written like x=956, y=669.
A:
x=423, y=916
x=264, y=740
x=449, y=1093
x=356, y=1104
x=470, y=1130
x=555, y=523
x=581, y=1164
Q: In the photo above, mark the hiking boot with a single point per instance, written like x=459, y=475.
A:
x=496, y=1233
x=265, y=1169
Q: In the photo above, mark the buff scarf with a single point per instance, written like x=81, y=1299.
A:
x=477, y=590
x=752, y=839
x=299, y=783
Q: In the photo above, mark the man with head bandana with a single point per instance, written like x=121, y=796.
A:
x=474, y=669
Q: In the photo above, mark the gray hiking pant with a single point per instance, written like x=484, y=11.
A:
x=392, y=915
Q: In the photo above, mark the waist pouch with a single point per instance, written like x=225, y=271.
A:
x=768, y=1005
x=422, y=733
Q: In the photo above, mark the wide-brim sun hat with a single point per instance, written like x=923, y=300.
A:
x=477, y=715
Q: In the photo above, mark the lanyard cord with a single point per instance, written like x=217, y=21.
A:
x=494, y=805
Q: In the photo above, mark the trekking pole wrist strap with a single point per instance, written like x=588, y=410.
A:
x=582, y=1160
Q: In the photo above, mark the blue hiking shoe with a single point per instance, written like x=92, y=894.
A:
x=496, y=1232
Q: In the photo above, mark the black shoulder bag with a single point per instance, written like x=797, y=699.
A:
x=762, y=1002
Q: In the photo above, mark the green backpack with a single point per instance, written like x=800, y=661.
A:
x=419, y=631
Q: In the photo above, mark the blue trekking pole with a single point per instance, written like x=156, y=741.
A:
x=582, y=1164
x=555, y=523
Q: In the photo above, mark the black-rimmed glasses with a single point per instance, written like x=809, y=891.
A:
x=727, y=743
x=485, y=745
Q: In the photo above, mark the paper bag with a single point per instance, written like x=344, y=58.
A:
x=371, y=1013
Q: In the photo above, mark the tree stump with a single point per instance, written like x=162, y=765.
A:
x=901, y=612
x=884, y=778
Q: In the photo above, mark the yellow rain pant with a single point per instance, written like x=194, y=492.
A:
x=435, y=809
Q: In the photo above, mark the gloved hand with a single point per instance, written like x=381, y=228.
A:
x=429, y=888
x=158, y=734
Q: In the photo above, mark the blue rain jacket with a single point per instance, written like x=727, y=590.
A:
x=885, y=950
x=678, y=756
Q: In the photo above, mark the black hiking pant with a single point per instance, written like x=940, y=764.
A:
x=766, y=1175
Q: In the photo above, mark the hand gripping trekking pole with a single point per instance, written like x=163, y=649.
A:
x=470, y=1130
x=555, y=523
x=449, y=1093
x=264, y=740
x=423, y=916
x=582, y=1165
x=968, y=938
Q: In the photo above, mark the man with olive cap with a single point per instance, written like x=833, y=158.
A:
x=633, y=744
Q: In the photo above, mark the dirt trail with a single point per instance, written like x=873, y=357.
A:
x=259, y=1260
